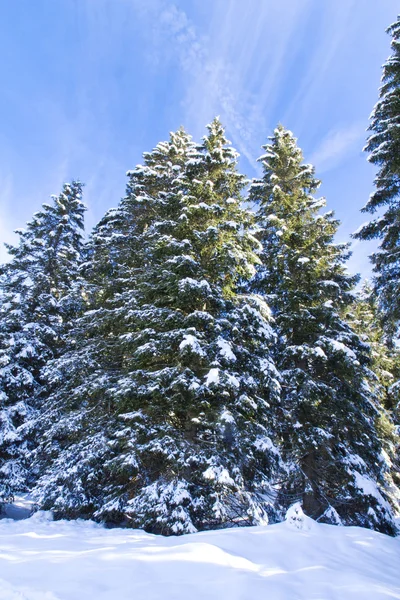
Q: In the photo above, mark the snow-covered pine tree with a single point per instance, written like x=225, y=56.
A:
x=383, y=146
x=366, y=320
x=79, y=417
x=384, y=380
x=35, y=306
x=328, y=410
x=200, y=386
x=189, y=407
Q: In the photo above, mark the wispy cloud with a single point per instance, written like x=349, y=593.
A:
x=222, y=72
x=226, y=71
x=334, y=25
x=336, y=146
x=359, y=261
x=136, y=68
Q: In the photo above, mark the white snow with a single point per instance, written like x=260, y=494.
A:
x=27, y=351
x=366, y=485
x=297, y=519
x=319, y=352
x=212, y=376
x=188, y=283
x=329, y=283
x=226, y=416
x=369, y=488
x=232, y=380
x=193, y=343
x=265, y=444
x=220, y=474
x=21, y=508
x=296, y=560
x=339, y=347
x=225, y=349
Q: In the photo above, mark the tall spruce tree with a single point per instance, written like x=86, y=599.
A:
x=366, y=320
x=188, y=404
x=383, y=146
x=35, y=307
x=383, y=379
x=79, y=417
x=328, y=412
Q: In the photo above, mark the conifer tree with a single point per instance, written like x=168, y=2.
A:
x=383, y=379
x=383, y=146
x=189, y=399
x=366, y=320
x=35, y=305
x=328, y=411
x=79, y=415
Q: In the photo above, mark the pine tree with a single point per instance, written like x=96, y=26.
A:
x=35, y=305
x=191, y=389
x=383, y=379
x=79, y=417
x=383, y=146
x=328, y=412
x=366, y=320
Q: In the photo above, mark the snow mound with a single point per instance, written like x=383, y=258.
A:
x=9, y=592
x=21, y=508
x=296, y=519
x=300, y=559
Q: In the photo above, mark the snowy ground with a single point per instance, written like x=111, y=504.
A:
x=45, y=560
x=21, y=508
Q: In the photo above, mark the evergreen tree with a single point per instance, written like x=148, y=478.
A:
x=35, y=305
x=188, y=402
x=383, y=379
x=328, y=412
x=79, y=417
x=366, y=320
x=383, y=146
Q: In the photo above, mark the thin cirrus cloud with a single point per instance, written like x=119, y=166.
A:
x=335, y=27
x=336, y=146
x=242, y=82
x=212, y=84
x=226, y=71
x=208, y=63
x=110, y=79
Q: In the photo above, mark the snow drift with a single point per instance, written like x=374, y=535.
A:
x=297, y=560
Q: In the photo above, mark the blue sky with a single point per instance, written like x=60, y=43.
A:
x=88, y=85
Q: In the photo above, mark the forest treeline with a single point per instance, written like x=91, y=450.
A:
x=197, y=363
